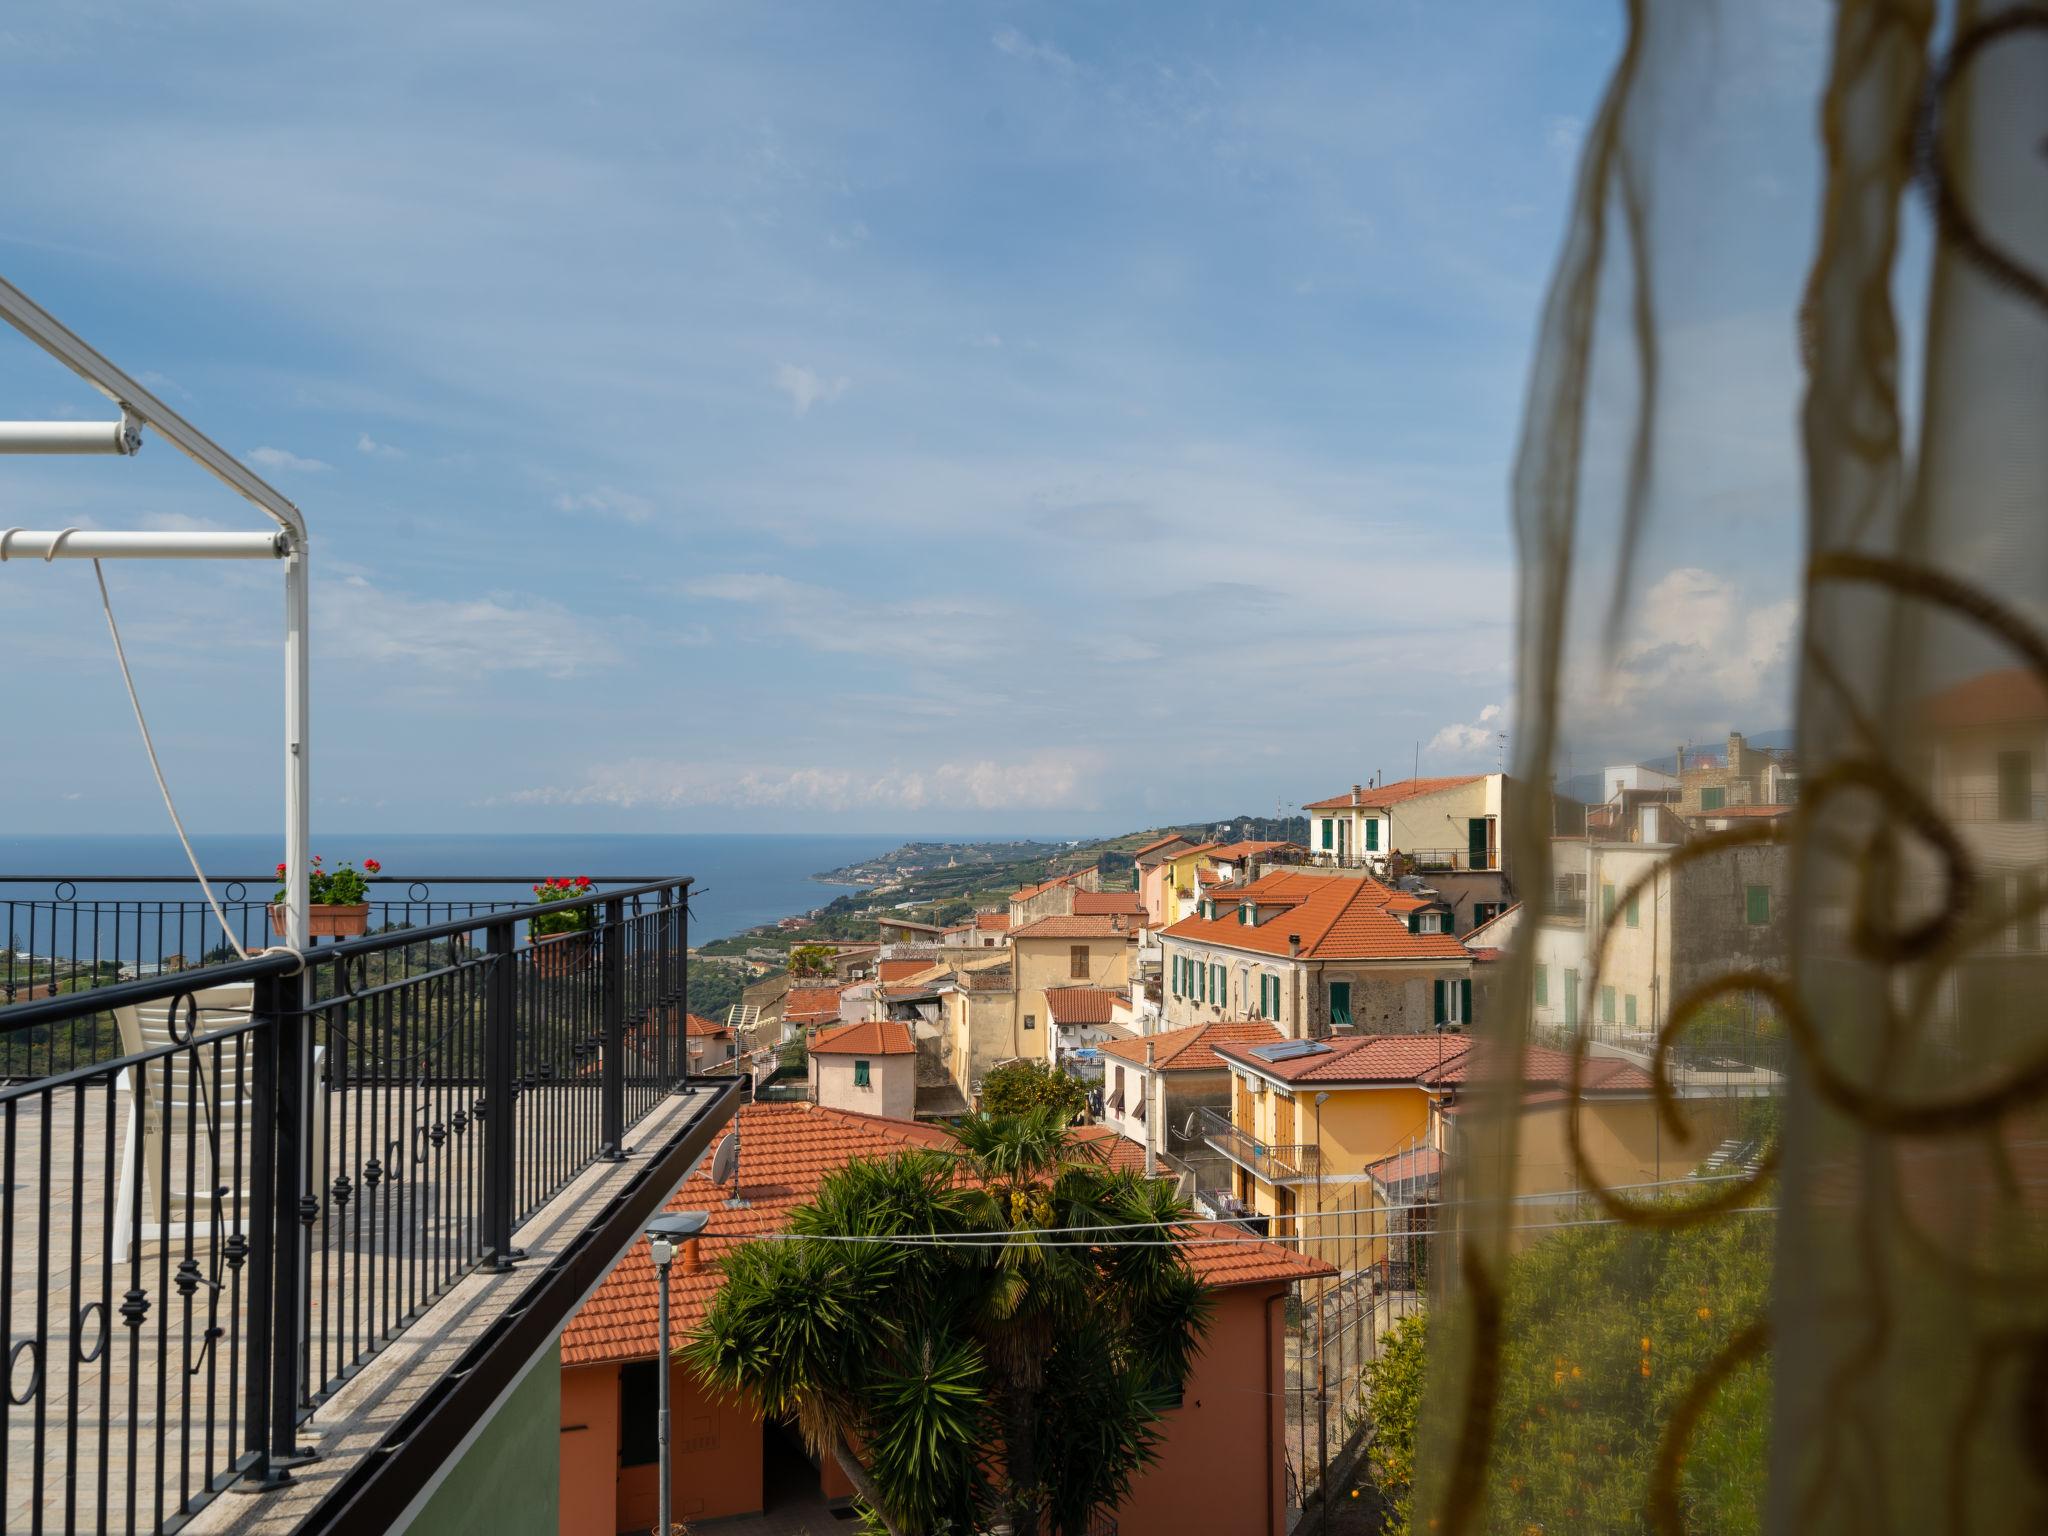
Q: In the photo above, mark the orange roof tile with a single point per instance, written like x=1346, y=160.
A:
x=697, y=1024
x=1247, y=849
x=896, y=970
x=2011, y=695
x=786, y=1151
x=1387, y=795
x=1361, y=1059
x=1336, y=918
x=997, y=922
x=1193, y=1048
x=1107, y=926
x=883, y=1037
x=1081, y=1005
x=1102, y=903
x=809, y=1005
x=1043, y=886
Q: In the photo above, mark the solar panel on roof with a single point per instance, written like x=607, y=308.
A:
x=1287, y=1050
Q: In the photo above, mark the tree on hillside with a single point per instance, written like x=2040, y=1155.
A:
x=1022, y=1087
x=1024, y=1378
x=810, y=960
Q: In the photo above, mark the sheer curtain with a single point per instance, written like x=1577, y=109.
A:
x=1785, y=464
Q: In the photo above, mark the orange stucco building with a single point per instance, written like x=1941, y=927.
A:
x=728, y=1462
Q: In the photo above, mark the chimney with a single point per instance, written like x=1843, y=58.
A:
x=1145, y=1087
x=691, y=1263
x=1294, y=946
x=1357, y=793
x=1681, y=762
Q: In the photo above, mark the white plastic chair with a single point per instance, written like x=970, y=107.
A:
x=189, y=1094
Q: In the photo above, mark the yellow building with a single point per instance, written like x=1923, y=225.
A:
x=1058, y=952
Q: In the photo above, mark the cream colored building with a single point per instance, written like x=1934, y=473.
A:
x=1066, y=952
x=869, y=1069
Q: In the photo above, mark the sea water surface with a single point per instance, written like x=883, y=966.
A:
x=742, y=879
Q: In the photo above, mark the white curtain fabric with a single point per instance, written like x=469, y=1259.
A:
x=1785, y=462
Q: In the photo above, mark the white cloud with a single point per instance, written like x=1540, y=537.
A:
x=1044, y=781
x=605, y=501
x=279, y=458
x=359, y=621
x=1009, y=40
x=1699, y=656
x=909, y=629
x=1471, y=741
x=807, y=388
x=371, y=448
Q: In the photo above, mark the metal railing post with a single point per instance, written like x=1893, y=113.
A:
x=286, y=1224
x=612, y=1007
x=499, y=1043
x=266, y=1006
x=682, y=920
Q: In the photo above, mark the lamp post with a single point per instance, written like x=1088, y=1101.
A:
x=664, y=1234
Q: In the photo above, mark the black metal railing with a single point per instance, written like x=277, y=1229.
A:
x=204, y=1237
x=60, y=935
x=1276, y=1163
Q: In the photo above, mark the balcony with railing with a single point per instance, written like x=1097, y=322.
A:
x=1276, y=1163
x=293, y=1224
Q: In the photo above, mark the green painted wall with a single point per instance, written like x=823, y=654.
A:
x=510, y=1480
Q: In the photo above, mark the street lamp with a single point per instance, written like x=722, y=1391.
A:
x=664, y=1233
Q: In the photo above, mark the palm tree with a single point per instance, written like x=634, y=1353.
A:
x=1026, y=1374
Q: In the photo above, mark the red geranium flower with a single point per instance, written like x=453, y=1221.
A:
x=582, y=882
x=280, y=870
x=372, y=865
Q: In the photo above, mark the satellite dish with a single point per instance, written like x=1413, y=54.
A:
x=725, y=1162
x=1187, y=1132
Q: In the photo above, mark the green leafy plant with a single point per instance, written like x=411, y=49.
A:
x=342, y=886
x=571, y=920
x=1024, y=1087
x=1016, y=1379
x=1393, y=1392
x=811, y=960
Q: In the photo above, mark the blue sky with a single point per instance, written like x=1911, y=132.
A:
x=964, y=417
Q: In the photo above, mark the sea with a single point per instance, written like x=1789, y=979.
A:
x=742, y=879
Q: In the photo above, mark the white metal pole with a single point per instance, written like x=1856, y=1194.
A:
x=298, y=766
x=99, y=544
x=69, y=437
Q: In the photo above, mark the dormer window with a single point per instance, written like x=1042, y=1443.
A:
x=1248, y=914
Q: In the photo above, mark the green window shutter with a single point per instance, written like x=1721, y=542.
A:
x=860, y=1074
x=1465, y=999
x=1606, y=901
x=1571, y=999
x=1635, y=915
x=1340, y=1002
x=1329, y=833
x=1437, y=994
x=1372, y=834
x=1415, y=922
x=1628, y=1010
x=1757, y=904
x=1543, y=986
x=1607, y=1005
x=1713, y=799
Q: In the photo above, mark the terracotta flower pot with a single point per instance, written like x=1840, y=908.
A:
x=561, y=954
x=324, y=920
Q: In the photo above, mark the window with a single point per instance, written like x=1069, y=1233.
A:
x=1606, y=900
x=1430, y=922
x=1628, y=1010
x=1756, y=901
x=1340, y=1002
x=1077, y=962
x=1372, y=834
x=1543, y=986
x=639, y=1414
x=1329, y=834
x=1031, y=1021
x=1607, y=1005
x=2016, y=786
x=1713, y=798
x=1221, y=991
x=1120, y=1083
x=1571, y=999
x=1634, y=915
x=1453, y=1001
x=860, y=1075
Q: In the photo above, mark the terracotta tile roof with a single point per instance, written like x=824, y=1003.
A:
x=1391, y=794
x=1362, y=1059
x=1101, y=903
x=1081, y=1005
x=1193, y=1049
x=896, y=970
x=1106, y=926
x=1198, y=848
x=809, y=1005
x=1110, y=1146
x=1157, y=844
x=1043, y=886
x=786, y=1150
x=1415, y=1163
x=996, y=922
x=1336, y=917
x=1245, y=850
x=2012, y=695
x=874, y=1038
x=697, y=1024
